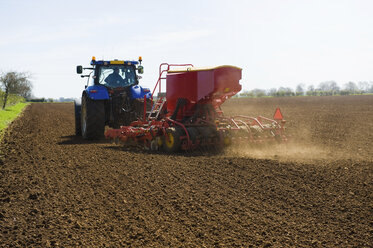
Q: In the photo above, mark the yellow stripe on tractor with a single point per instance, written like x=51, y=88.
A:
x=117, y=62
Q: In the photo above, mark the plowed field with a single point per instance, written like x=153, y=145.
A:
x=57, y=190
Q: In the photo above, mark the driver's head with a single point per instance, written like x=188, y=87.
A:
x=116, y=70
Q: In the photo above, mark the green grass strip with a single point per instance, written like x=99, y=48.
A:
x=8, y=114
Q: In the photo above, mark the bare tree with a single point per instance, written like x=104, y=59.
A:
x=311, y=91
x=334, y=88
x=328, y=88
x=351, y=87
x=15, y=83
x=363, y=87
x=299, y=90
x=285, y=91
x=272, y=92
x=258, y=92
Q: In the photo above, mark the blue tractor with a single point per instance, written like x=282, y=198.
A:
x=111, y=97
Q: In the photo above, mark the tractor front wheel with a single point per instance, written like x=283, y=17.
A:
x=92, y=118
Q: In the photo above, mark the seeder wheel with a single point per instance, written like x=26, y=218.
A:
x=171, y=141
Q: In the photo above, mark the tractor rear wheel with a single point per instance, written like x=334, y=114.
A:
x=77, y=111
x=92, y=118
x=171, y=141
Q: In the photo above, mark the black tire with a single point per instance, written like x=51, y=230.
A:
x=77, y=112
x=172, y=142
x=92, y=118
x=193, y=134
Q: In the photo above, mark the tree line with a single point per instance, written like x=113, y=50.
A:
x=327, y=88
x=15, y=86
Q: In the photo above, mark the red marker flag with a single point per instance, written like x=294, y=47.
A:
x=278, y=115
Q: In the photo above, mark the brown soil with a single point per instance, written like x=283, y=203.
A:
x=57, y=190
x=331, y=128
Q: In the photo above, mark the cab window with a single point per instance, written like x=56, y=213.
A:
x=117, y=76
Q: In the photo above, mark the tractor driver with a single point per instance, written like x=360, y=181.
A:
x=114, y=79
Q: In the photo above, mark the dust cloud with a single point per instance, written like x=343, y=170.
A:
x=287, y=152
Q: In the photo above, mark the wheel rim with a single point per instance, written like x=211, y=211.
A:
x=227, y=141
x=159, y=141
x=170, y=140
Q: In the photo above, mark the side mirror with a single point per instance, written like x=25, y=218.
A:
x=140, y=69
x=79, y=69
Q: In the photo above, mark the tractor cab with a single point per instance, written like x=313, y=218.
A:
x=112, y=73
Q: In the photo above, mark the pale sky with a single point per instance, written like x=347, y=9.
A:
x=275, y=42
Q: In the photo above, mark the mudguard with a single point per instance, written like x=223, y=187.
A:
x=97, y=92
x=139, y=92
